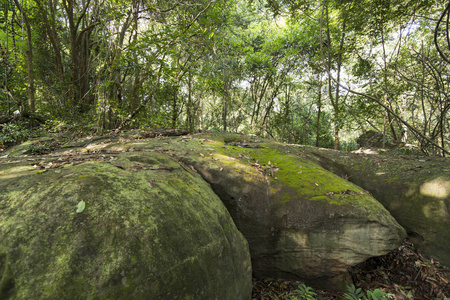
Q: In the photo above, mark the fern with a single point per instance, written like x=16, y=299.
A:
x=305, y=293
x=354, y=293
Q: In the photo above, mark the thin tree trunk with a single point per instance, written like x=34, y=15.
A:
x=391, y=125
x=175, y=108
x=335, y=100
x=134, y=101
x=50, y=27
x=225, y=105
x=319, y=111
x=30, y=72
x=189, y=108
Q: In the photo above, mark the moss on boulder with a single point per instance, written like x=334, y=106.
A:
x=300, y=220
x=149, y=230
x=416, y=191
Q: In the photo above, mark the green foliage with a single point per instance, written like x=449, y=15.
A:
x=354, y=293
x=230, y=64
x=348, y=146
x=13, y=133
x=305, y=293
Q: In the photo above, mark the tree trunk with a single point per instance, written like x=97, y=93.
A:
x=79, y=54
x=174, y=107
x=50, y=27
x=334, y=99
x=391, y=125
x=319, y=111
x=337, y=95
x=134, y=100
x=30, y=72
x=84, y=96
x=189, y=107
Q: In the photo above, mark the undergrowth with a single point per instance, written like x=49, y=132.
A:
x=305, y=292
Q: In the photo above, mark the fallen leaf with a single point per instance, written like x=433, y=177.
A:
x=159, y=168
x=81, y=206
x=134, y=168
x=117, y=165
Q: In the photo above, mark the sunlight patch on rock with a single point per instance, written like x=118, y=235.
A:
x=437, y=188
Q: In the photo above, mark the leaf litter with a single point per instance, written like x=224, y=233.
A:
x=403, y=274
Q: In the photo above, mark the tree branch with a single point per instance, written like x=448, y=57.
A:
x=80, y=35
x=443, y=56
x=83, y=13
x=413, y=129
x=198, y=16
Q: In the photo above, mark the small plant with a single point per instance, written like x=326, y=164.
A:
x=305, y=293
x=354, y=293
x=14, y=133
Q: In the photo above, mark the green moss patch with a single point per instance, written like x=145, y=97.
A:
x=149, y=230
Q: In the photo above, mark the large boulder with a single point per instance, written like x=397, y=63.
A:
x=300, y=220
x=416, y=191
x=374, y=139
x=130, y=226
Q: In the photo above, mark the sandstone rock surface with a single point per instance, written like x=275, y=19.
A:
x=300, y=220
x=415, y=190
x=149, y=229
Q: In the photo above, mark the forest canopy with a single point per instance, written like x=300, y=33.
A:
x=299, y=71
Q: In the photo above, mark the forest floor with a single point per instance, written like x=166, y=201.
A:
x=403, y=274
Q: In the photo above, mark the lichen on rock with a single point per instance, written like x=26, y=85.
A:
x=150, y=230
x=415, y=190
x=156, y=202
x=300, y=220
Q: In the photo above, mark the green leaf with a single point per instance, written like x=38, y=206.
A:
x=80, y=207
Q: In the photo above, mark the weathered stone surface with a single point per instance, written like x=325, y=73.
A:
x=416, y=190
x=150, y=230
x=375, y=139
x=300, y=220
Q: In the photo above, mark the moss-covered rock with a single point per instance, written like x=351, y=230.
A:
x=416, y=190
x=300, y=220
x=149, y=230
